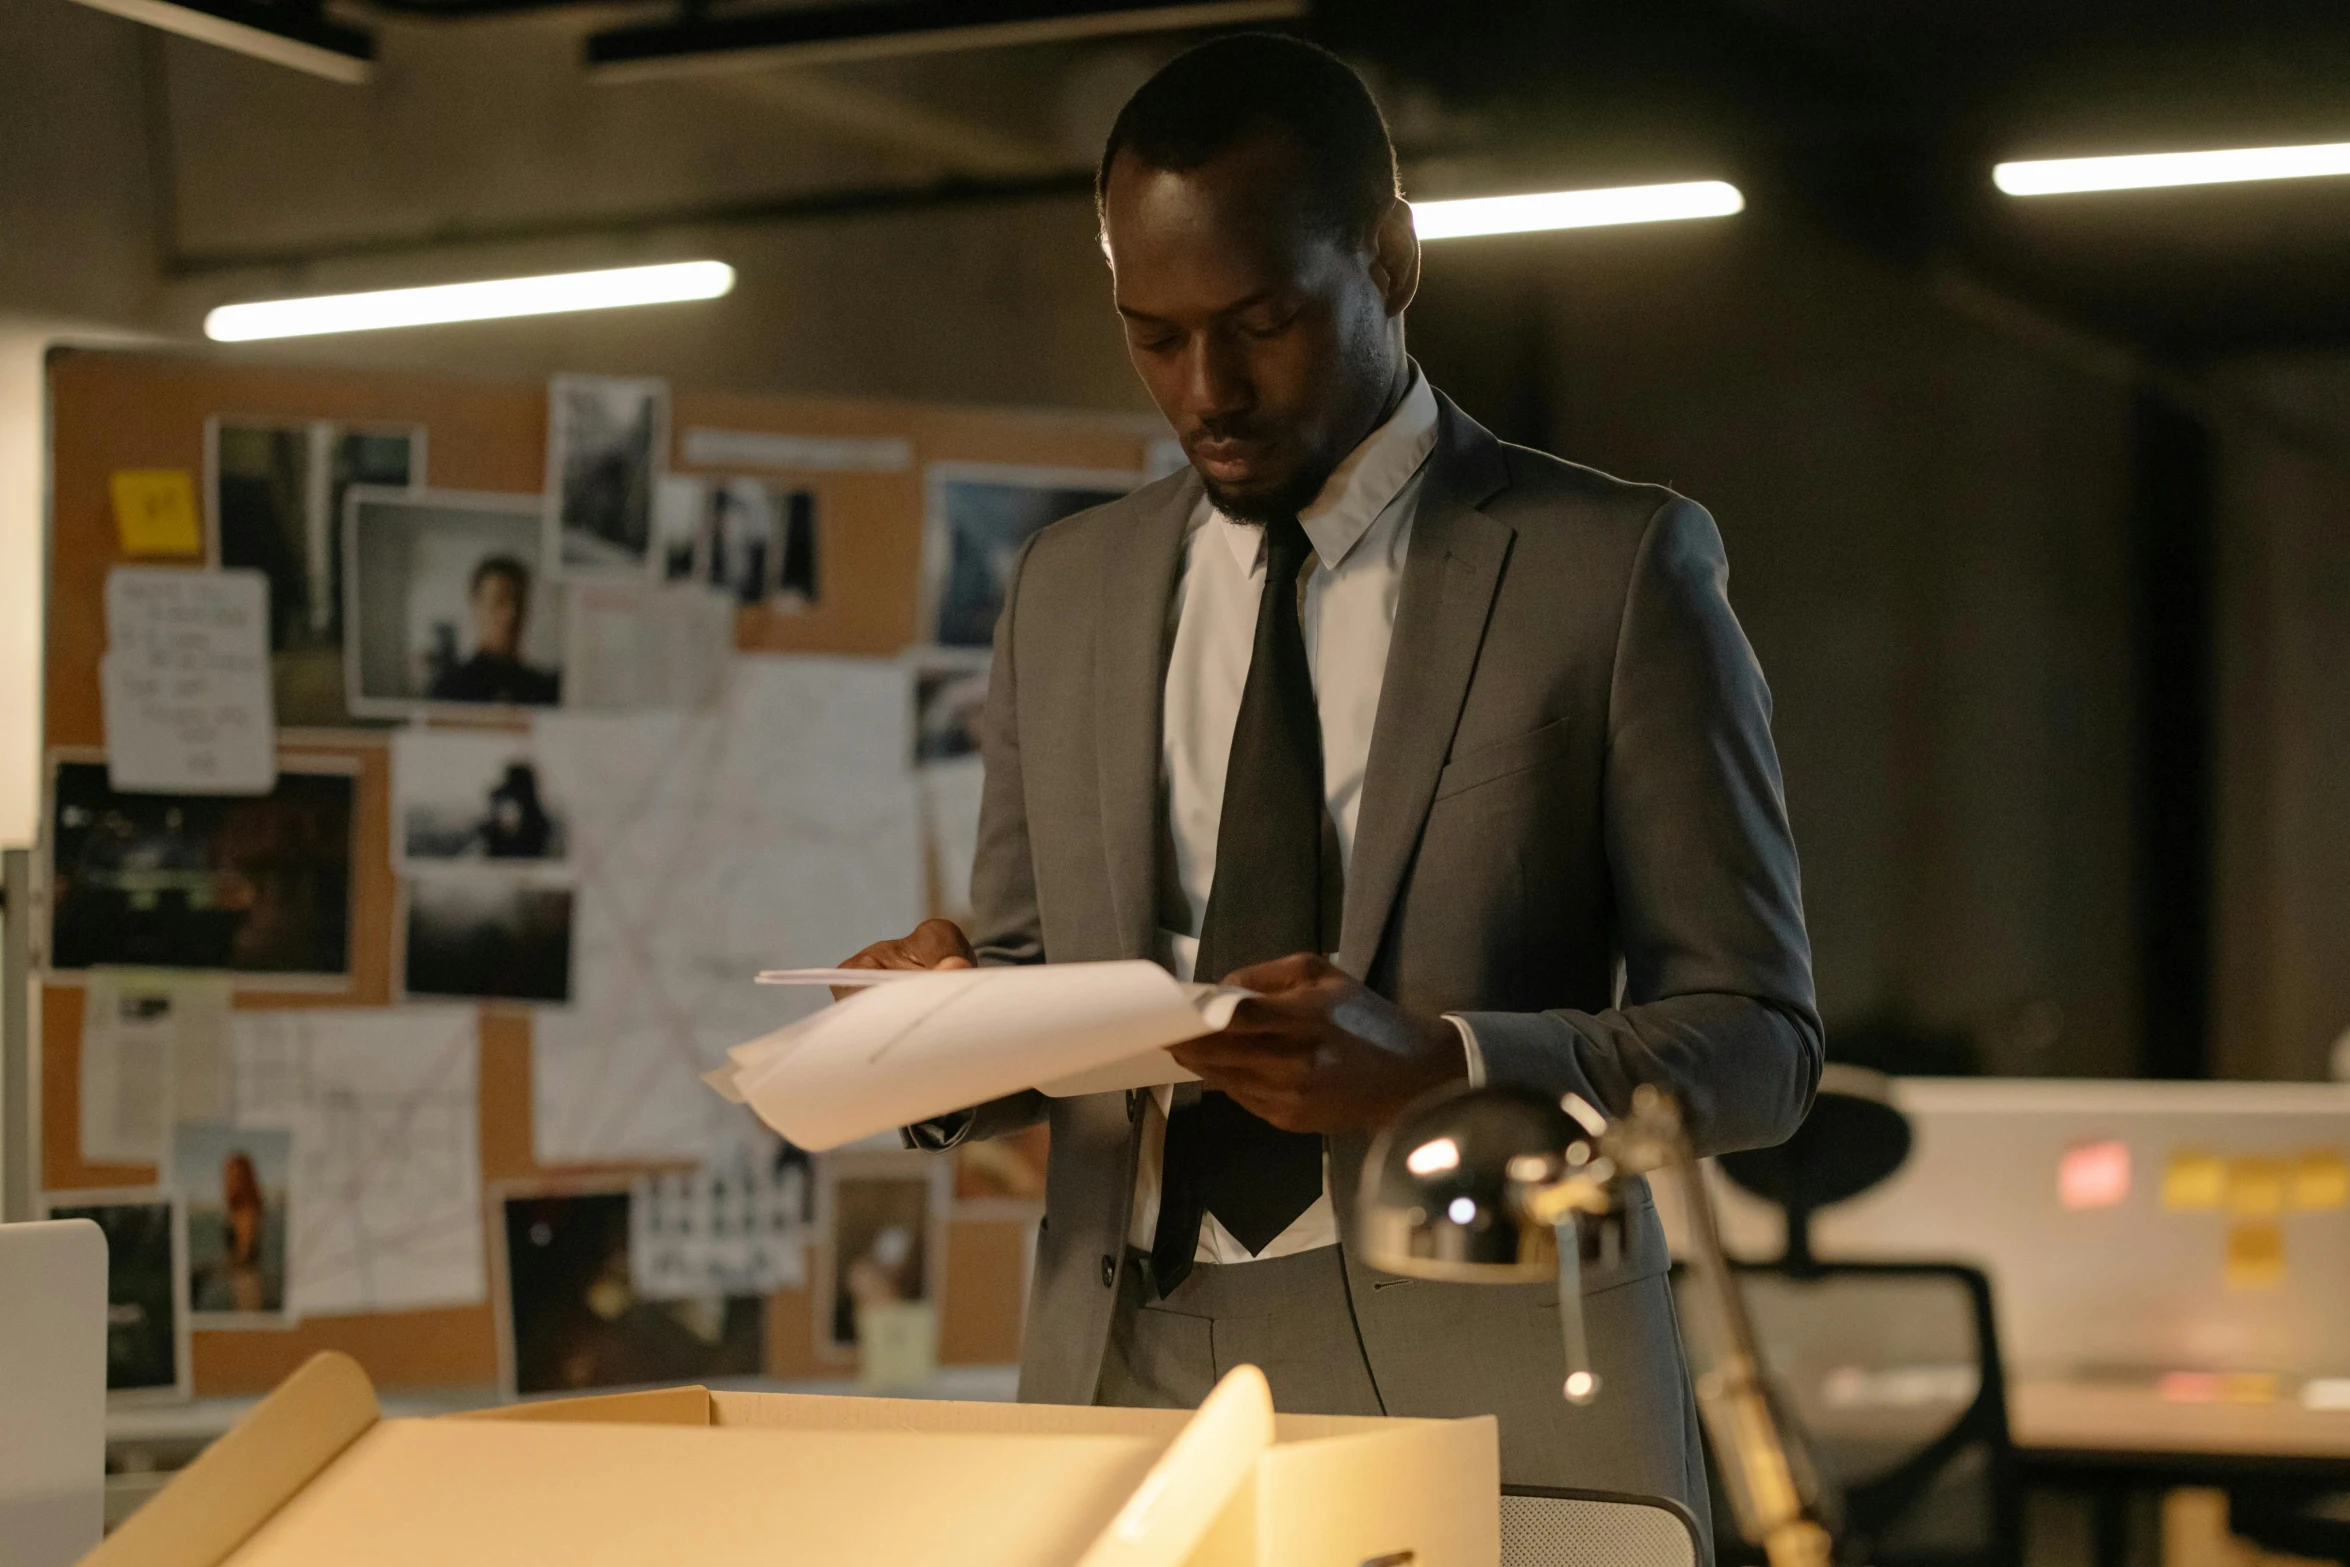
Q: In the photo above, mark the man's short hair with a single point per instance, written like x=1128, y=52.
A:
x=514, y=571
x=1208, y=98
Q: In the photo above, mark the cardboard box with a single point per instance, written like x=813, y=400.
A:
x=714, y=1478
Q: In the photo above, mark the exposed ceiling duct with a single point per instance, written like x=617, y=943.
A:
x=740, y=42
x=298, y=35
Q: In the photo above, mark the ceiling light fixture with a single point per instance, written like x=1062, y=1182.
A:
x=2151, y=170
x=491, y=301
x=1575, y=209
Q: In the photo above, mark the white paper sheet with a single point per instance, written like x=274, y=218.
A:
x=129, y=1030
x=185, y=682
x=950, y=818
x=631, y=646
x=383, y=1104
x=735, y=1226
x=779, y=827
x=895, y=1054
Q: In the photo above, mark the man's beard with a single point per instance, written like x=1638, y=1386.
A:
x=1268, y=505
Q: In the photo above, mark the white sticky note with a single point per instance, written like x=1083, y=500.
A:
x=185, y=682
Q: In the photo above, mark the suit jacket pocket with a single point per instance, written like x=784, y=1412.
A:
x=1503, y=758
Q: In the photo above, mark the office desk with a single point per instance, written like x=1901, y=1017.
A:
x=2089, y=1423
x=2118, y=1442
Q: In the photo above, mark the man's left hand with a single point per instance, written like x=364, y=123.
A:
x=1314, y=1051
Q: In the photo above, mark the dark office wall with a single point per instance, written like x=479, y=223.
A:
x=1928, y=533
x=2282, y=996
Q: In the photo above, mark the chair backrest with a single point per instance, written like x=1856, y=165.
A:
x=52, y=1391
x=1893, y=1371
x=1542, y=1526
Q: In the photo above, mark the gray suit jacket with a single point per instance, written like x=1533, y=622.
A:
x=1571, y=768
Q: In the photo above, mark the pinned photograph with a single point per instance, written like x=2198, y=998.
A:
x=949, y=700
x=676, y=555
x=473, y=797
x=482, y=936
x=979, y=514
x=607, y=447
x=1002, y=1176
x=236, y=1183
x=250, y=884
x=738, y=1225
x=883, y=1244
x=277, y=492
x=448, y=604
x=571, y=1318
x=146, y=1288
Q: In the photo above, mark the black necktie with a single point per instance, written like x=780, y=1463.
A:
x=1266, y=903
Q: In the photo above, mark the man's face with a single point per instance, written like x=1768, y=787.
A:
x=1270, y=343
x=497, y=615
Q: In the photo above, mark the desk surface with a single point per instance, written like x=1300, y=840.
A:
x=2059, y=1419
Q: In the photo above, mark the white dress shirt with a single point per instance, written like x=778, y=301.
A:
x=1361, y=528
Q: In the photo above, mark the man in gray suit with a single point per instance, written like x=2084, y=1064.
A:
x=1452, y=751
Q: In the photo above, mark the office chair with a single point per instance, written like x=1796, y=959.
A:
x=1542, y=1526
x=1892, y=1368
x=2294, y=1519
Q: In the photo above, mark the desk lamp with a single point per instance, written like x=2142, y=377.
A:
x=1501, y=1185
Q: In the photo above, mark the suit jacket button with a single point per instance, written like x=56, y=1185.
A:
x=1109, y=1271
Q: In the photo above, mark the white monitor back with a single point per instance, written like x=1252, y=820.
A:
x=2127, y=1288
x=52, y=1391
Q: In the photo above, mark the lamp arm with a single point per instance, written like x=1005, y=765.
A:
x=1737, y=1407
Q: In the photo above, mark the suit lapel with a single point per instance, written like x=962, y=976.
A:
x=1138, y=566
x=1450, y=576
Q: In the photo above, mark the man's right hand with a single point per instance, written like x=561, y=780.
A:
x=931, y=944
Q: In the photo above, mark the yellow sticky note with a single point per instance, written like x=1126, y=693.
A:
x=2256, y=1255
x=155, y=512
x=2321, y=1179
x=2194, y=1179
x=2256, y=1186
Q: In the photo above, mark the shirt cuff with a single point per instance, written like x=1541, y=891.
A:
x=939, y=1134
x=1476, y=1056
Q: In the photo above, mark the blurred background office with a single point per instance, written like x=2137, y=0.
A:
x=2037, y=504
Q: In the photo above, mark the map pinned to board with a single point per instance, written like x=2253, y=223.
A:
x=778, y=826
x=386, y=1181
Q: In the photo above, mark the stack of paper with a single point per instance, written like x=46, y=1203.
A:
x=930, y=1043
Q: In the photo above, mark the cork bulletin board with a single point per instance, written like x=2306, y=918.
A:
x=112, y=413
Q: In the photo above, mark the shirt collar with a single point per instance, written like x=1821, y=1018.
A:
x=1361, y=488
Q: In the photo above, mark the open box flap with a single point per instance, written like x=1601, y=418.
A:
x=233, y=1486
x=1195, y=1480
x=660, y=1406
x=1376, y=1495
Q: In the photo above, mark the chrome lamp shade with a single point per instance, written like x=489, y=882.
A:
x=1449, y=1188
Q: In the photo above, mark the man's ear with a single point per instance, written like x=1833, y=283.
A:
x=1395, y=257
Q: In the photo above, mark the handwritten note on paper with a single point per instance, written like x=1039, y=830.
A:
x=186, y=682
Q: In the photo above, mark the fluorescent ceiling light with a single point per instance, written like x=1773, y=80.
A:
x=514, y=296
x=1574, y=209
x=2147, y=170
